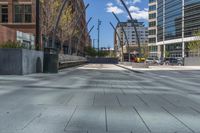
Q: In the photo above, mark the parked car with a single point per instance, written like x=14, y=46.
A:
x=174, y=61
x=153, y=60
x=140, y=60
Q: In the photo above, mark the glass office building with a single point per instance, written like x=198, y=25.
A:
x=177, y=23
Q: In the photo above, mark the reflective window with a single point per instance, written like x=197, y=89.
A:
x=23, y=14
x=3, y=13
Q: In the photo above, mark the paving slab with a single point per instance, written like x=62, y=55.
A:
x=121, y=119
x=88, y=119
x=187, y=116
x=158, y=120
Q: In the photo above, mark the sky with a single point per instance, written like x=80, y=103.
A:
x=102, y=9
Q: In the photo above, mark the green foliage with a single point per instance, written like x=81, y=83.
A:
x=167, y=53
x=194, y=45
x=90, y=52
x=104, y=53
x=93, y=53
x=11, y=44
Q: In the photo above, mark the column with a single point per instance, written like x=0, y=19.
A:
x=10, y=11
x=183, y=43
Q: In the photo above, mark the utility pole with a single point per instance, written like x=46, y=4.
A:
x=99, y=23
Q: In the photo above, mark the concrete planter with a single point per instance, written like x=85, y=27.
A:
x=134, y=65
x=192, y=61
x=20, y=61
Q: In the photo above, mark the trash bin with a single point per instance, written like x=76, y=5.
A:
x=50, y=60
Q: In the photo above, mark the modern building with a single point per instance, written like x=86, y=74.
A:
x=153, y=48
x=177, y=24
x=131, y=36
x=17, y=16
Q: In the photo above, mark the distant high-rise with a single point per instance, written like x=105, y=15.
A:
x=131, y=35
x=153, y=48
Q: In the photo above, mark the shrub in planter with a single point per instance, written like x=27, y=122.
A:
x=11, y=44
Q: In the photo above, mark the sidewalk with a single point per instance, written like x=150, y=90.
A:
x=163, y=67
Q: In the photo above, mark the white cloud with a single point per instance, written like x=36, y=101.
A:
x=133, y=8
x=111, y=8
x=109, y=4
x=129, y=2
x=137, y=13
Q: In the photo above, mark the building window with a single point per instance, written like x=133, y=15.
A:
x=152, y=24
x=152, y=40
x=23, y=14
x=152, y=32
x=3, y=13
x=152, y=16
x=152, y=1
x=152, y=8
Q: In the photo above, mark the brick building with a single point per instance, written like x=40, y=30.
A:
x=17, y=15
x=20, y=15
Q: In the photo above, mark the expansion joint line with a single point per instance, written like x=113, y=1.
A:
x=70, y=118
x=178, y=120
x=106, y=119
x=142, y=120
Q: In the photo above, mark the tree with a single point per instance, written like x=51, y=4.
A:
x=49, y=12
x=90, y=51
x=194, y=46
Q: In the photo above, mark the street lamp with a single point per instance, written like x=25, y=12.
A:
x=119, y=39
x=129, y=56
x=136, y=32
x=99, y=23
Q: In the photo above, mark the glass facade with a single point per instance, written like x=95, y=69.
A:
x=173, y=19
x=169, y=19
x=160, y=20
x=191, y=17
x=174, y=50
x=177, y=22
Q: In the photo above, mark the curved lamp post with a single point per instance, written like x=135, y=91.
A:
x=77, y=22
x=129, y=56
x=90, y=30
x=82, y=32
x=57, y=22
x=88, y=34
x=119, y=39
x=138, y=39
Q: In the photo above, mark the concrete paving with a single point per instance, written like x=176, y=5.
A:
x=101, y=99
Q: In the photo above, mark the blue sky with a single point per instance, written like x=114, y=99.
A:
x=101, y=9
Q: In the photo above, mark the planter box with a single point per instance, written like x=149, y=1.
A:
x=20, y=61
x=192, y=61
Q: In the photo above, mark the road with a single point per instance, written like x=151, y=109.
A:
x=101, y=99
